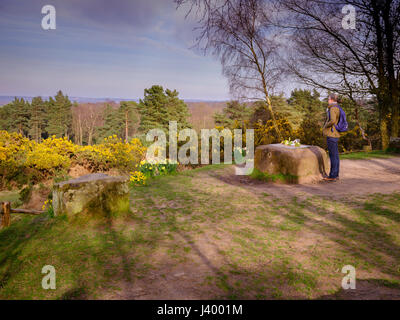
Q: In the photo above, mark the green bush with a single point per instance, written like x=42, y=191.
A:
x=26, y=193
x=310, y=133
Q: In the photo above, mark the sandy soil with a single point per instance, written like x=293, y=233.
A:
x=357, y=177
x=186, y=280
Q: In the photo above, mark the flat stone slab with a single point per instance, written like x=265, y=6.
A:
x=302, y=164
x=96, y=193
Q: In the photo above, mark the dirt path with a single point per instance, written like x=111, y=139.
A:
x=357, y=177
x=187, y=279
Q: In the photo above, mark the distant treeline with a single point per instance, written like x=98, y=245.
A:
x=302, y=116
x=89, y=123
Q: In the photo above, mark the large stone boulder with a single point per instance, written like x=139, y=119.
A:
x=302, y=164
x=97, y=194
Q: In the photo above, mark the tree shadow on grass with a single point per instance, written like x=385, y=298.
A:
x=362, y=240
x=13, y=241
x=78, y=293
x=368, y=289
x=88, y=256
x=356, y=237
x=336, y=227
x=229, y=280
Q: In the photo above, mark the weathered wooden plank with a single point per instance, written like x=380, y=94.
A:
x=26, y=211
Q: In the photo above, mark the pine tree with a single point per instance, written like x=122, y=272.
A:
x=234, y=113
x=157, y=108
x=306, y=102
x=20, y=116
x=6, y=117
x=283, y=109
x=37, y=119
x=113, y=123
x=59, y=116
x=178, y=110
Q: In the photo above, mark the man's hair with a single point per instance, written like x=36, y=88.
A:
x=333, y=96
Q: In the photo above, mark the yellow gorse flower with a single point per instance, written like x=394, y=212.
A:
x=54, y=154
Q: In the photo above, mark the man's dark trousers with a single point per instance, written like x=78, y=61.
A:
x=334, y=157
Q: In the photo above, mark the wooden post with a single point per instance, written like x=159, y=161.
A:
x=6, y=218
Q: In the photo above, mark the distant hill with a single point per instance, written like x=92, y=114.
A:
x=201, y=111
x=7, y=99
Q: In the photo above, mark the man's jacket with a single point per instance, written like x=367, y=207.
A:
x=329, y=129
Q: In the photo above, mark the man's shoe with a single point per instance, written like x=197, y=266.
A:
x=330, y=179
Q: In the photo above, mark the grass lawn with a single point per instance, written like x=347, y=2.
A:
x=12, y=196
x=194, y=235
x=368, y=155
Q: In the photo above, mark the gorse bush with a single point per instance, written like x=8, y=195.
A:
x=352, y=140
x=13, y=149
x=51, y=155
x=113, y=152
x=24, y=160
x=266, y=133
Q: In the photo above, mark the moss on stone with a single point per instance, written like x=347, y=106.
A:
x=94, y=195
x=280, y=177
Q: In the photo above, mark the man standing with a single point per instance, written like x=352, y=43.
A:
x=332, y=136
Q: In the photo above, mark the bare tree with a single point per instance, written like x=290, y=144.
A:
x=86, y=118
x=77, y=124
x=355, y=63
x=241, y=35
x=359, y=62
x=92, y=115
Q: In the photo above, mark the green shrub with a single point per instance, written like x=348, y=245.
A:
x=310, y=133
x=26, y=193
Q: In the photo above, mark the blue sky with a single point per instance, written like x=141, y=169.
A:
x=103, y=48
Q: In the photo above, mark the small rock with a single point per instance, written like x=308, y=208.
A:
x=179, y=274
